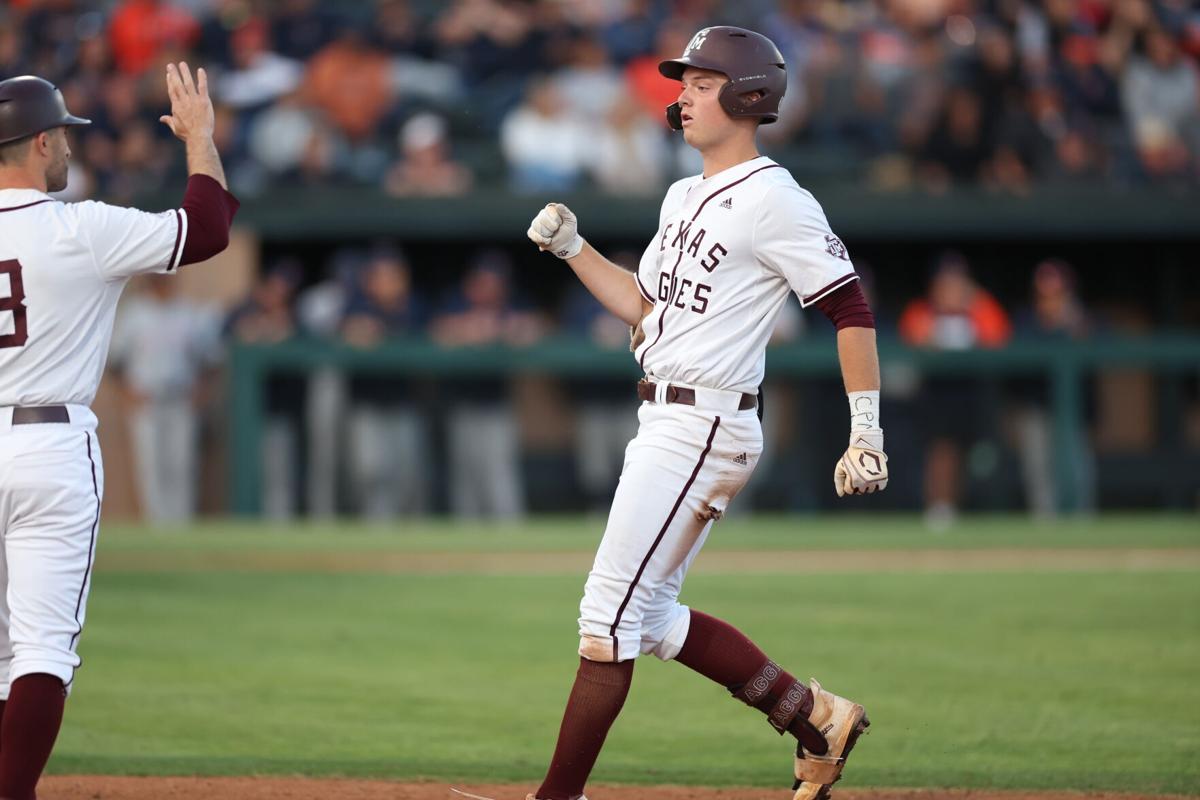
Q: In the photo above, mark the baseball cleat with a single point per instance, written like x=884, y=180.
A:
x=533, y=797
x=841, y=722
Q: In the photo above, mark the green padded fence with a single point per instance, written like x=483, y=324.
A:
x=1064, y=366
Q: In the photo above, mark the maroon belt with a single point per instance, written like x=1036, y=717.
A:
x=37, y=415
x=647, y=390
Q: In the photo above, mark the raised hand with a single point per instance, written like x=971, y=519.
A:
x=191, y=114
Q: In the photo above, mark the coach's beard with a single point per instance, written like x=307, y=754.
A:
x=56, y=177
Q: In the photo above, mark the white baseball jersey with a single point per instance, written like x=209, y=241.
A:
x=728, y=251
x=62, y=269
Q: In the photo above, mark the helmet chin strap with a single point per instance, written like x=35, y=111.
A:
x=675, y=117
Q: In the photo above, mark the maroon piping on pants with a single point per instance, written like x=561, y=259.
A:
x=662, y=532
x=91, y=546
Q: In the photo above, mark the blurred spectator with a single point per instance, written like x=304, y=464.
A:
x=630, y=152
x=267, y=317
x=300, y=28
x=630, y=33
x=320, y=309
x=956, y=314
x=646, y=83
x=1088, y=83
x=10, y=47
x=258, y=75
x=164, y=347
x=1161, y=96
x=1043, y=90
x=425, y=167
x=957, y=148
x=495, y=45
x=489, y=37
x=397, y=28
x=546, y=146
x=349, y=81
x=589, y=84
x=141, y=163
x=142, y=31
x=292, y=144
x=484, y=458
x=388, y=443
x=1055, y=313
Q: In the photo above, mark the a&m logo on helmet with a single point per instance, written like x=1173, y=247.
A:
x=697, y=41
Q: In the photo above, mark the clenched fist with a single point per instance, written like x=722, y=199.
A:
x=863, y=468
x=555, y=229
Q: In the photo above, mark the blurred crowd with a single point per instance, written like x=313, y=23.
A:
x=382, y=444
x=417, y=97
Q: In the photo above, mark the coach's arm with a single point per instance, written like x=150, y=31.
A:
x=207, y=203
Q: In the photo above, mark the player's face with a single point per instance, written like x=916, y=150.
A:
x=704, y=121
x=59, y=155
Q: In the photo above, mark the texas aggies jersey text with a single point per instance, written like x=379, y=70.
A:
x=62, y=269
x=728, y=251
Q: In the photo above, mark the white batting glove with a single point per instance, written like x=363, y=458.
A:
x=555, y=229
x=863, y=468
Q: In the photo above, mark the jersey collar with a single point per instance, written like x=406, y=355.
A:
x=13, y=199
x=736, y=171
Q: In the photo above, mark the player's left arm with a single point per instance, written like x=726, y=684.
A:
x=859, y=358
x=792, y=238
x=862, y=469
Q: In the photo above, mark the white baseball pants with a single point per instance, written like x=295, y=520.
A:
x=684, y=462
x=51, y=483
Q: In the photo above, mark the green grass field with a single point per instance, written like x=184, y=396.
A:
x=200, y=657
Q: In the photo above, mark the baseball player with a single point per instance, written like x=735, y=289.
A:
x=62, y=269
x=731, y=244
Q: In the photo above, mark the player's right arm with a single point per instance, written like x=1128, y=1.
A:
x=556, y=230
x=126, y=242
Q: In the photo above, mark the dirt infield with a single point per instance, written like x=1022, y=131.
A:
x=87, y=787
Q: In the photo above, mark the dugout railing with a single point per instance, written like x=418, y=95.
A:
x=1063, y=365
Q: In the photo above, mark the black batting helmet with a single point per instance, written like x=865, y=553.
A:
x=750, y=60
x=30, y=105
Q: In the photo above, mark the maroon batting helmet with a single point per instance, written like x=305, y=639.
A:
x=30, y=105
x=750, y=60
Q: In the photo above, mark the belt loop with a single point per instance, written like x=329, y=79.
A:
x=5, y=419
x=660, y=392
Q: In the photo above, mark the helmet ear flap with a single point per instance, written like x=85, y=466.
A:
x=736, y=105
x=729, y=99
x=675, y=117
